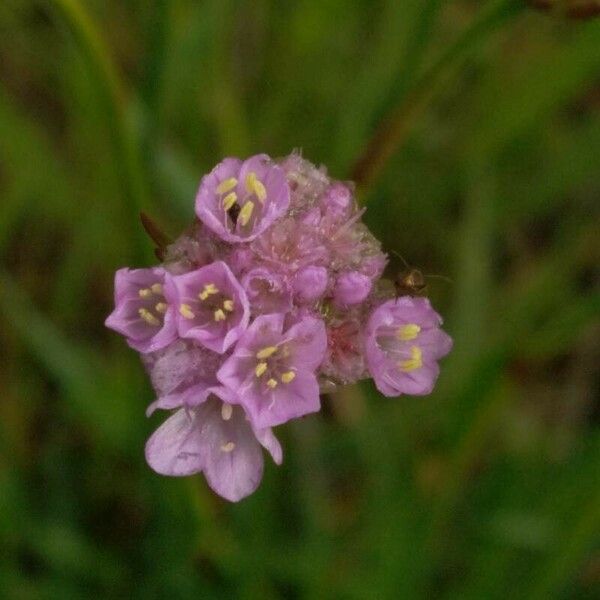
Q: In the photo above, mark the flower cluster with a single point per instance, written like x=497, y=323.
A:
x=273, y=296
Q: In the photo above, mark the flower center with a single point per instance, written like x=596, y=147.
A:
x=270, y=367
x=153, y=305
x=210, y=300
x=228, y=197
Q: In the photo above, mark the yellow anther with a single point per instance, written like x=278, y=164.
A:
x=145, y=292
x=219, y=315
x=271, y=383
x=266, y=352
x=246, y=213
x=226, y=411
x=161, y=307
x=255, y=186
x=287, y=377
x=185, y=310
x=408, y=332
x=226, y=185
x=261, y=368
x=228, y=305
x=156, y=288
x=228, y=447
x=148, y=317
x=229, y=200
x=209, y=290
x=414, y=362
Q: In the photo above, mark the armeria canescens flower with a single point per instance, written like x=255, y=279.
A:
x=212, y=307
x=216, y=439
x=273, y=295
x=403, y=344
x=272, y=369
x=143, y=314
x=239, y=200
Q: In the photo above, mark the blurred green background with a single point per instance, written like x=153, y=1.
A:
x=490, y=488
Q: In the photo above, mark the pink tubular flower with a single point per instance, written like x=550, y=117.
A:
x=239, y=200
x=403, y=344
x=143, y=313
x=212, y=306
x=217, y=439
x=273, y=371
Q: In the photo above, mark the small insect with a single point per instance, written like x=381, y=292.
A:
x=411, y=281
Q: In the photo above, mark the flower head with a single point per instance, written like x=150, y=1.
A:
x=212, y=307
x=143, y=312
x=403, y=344
x=239, y=200
x=217, y=439
x=273, y=294
x=273, y=370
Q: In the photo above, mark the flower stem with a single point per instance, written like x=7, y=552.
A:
x=110, y=93
x=394, y=127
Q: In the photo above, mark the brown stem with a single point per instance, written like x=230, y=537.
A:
x=569, y=8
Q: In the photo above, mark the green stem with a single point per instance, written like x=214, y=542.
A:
x=395, y=127
x=111, y=95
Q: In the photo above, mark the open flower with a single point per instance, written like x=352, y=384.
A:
x=273, y=371
x=212, y=307
x=182, y=374
x=403, y=344
x=217, y=439
x=239, y=200
x=143, y=313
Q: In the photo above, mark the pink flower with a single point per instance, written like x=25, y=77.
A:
x=144, y=313
x=216, y=439
x=239, y=200
x=212, y=307
x=403, y=344
x=273, y=371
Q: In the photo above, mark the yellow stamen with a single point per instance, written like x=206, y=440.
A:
x=156, y=288
x=261, y=367
x=246, y=213
x=226, y=411
x=266, y=352
x=161, y=307
x=272, y=383
x=287, y=377
x=148, y=317
x=228, y=305
x=145, y=292
x=209, y=290
x=185, y=310
x=229, y=200
x=219, y=315
x=408, y=332
x=226, y=185
x=255, y=186
x=228, y=447
x=414, y=362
